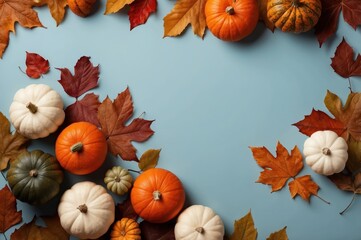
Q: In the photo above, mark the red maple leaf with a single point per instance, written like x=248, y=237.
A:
x=327, y=24
x=343, y=62
x=36, y=65
x=140, y=10
x=113, y=116
x=9, y=216
x=319, y=121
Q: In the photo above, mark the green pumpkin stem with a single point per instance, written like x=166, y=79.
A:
x=33, y=173
x=157, y=195
x=230, y=10
x=32, y=107
x=83, y=208
x=77, y=147
x=200, y=229
x=326, y=151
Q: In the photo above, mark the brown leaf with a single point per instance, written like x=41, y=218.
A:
x=353, y=163
x=56, y=7
x=125, y=210
x=11, y=144
x=349, y=114
x=262, y=6
x=183, y=13
x=149, y=159
x=319, y=121
x=279, y=235
x=13, y=11
x=163, y=231
x=244, y=228
x=31, y=231
x=36, y=65
x=114, y=6
x=303, y=186
x=53, y=225
x=9, y=216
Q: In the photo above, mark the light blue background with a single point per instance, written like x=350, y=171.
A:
x=211, y=100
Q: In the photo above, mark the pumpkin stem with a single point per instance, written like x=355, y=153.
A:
x=157, y=195
x=200, y=229
x=33, y=173
x=117, y=179
x=123, y=233
x=230, y=10
x=32, y=107
x=77, y=147
x=326, y=151
x=296, y=3
x=83, y=208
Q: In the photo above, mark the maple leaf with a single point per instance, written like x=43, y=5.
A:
x=183, y=13
x=151, y=231
x=11, y=145
x=9, y=216
x=343, y=62
x=140, y=11
x=149, y=159
x=303, y=186
x=56, y=7
x=36, y=65
x=12, y=11
x=31, y=231
x=244, y=228
x=125, y=210
x=262, y=6
x=327, y=24
x=113, y=116
x=279, y=235
x=114, y=6
x=349, y=114
x=85, y=109
x=319, y=121
x=53, y=225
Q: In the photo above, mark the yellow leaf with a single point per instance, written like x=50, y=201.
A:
x=186, y=12
x=114, y=6
x=56, y=7
x=149, y=159
x=279, y=235
x=244, y=229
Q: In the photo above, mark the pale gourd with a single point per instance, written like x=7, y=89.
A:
x=36, y=111
x=325, y=152
x=118, y=180
x=199, y=222
x=86, y=210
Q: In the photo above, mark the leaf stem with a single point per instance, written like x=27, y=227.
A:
x=5, y=236
x=141, y=115
x=2, y=173
x=323, y=199
x=349, y=85
x=131, y=170
x=349, y=205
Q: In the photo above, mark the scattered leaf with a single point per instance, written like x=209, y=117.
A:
x=319, y=121
x=327, y=24
x=262, y=6
x=303, y=186
x=53, y=225
x=9, y=216
x=56, y=7
x=13, y=11
x=183, y=13
x=140, y=11
x=151, y=231
x=36, y=65
x=353, y=164
x=31, y=231
x=279, y=235
x=343, y=62
x=11, y=144
x=244, y=228
x=149, y=159
x=113, y=116
x=125, y=209
x=114, y=6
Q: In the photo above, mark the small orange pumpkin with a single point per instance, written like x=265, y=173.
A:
x=81, y=148
x=231, y=20
x=157, y=195
x=82, y=8
x=294, y=15
x=125, y=229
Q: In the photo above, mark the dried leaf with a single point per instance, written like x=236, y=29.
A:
x=343, y=62
x=140, y=11
x=279, y=235
x=319, y=121
x=31, y=231
x=36, y=65
x=113, y=116
x=151, y=231
x=11, y=144
x=9, y=216
x=125, y=210
x=327, y=24
x=183, y=13
x=303, y=186
x=149, y=159
x=56, y=7
x=53, y=225
x=114, y=6
x=244, y=228
x=13, y=11
x=262, y=6
x=353, y=164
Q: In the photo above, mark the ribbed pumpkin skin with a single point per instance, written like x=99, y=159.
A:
x=231, y=27
x=294, y=15
x=90, y=157
x=36, y=188
x=82, y=8
x=172, y=195
x=118, y=180
x=125, y=229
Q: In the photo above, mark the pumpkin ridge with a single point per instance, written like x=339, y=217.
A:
x=281, y=21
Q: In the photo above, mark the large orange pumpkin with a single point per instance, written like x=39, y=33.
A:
x=157, y=195
x=294, y=15
x=81, y=148
x=231, y=20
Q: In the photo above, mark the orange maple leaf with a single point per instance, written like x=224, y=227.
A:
x=56, y=7
x=278, y=170
x=12, y=11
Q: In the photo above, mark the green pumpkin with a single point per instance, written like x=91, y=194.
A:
x=35, y=177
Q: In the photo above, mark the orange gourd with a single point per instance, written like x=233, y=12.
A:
x=82, y=8
x=125, y=229
x=231, y=20
x=294, y=15
x=157, y=195
x=81, y=148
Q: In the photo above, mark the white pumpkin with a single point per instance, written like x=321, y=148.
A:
x=118, y=180
x=36, y=111
x=325, y=152
x=86, y=210
x=199, y=222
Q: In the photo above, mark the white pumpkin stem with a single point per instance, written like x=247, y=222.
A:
x=83, y=208
x=157, y=195
x=77, y=147
x=33, y=173
x=32, y=107
x=230, y=10
x=200, y=229
x=326, y=151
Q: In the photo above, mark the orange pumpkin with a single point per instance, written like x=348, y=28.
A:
x=125, y=229
x=231, y=20
x=294, y=15
x=157, y=195
x=81, y=148
x=82, y=8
